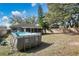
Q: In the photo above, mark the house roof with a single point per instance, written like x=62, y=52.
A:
x=25, y=25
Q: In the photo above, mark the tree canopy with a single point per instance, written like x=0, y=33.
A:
x=58, y=11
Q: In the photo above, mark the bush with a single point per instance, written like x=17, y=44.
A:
x=4, y=43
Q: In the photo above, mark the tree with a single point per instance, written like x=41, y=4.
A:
x=30, y=20
x=41, y=21
x=61, y=12
x=16, y=19
x=40, y=16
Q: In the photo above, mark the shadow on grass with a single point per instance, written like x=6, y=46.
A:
x=73, y=33
x=42, y=46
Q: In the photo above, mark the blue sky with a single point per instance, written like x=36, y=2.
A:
x=26, y=9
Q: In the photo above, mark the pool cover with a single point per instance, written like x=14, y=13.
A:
x=21, y=34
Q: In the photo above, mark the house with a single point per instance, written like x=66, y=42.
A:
x=24, y=27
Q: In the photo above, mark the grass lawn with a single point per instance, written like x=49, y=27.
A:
x=52, y=44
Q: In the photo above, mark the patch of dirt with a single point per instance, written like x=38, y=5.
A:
x=74, y=43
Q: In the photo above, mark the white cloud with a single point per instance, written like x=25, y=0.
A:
x=16, y=13
x=33, y=4
x=5, y=22
x=21, y=14
x=5, y=19
x=24, y=13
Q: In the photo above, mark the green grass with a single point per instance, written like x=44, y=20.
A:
x=4, y=50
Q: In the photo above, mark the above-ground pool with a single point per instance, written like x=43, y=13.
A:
x=23, y=40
